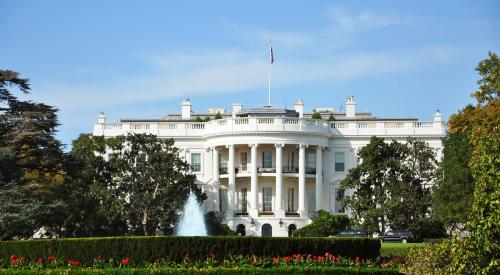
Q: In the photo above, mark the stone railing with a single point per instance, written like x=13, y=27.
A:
x=271, y=124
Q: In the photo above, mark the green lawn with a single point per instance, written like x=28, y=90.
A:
x=397, y=249
x=400, y=245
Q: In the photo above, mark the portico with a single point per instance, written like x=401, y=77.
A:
x=265, y=173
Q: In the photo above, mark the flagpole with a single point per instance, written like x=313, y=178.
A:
x=270, y=66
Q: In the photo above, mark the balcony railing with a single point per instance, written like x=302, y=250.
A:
x=272, y=124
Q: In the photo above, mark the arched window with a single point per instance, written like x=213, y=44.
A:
x=291, y=228
x=267, y=230
x=240, y=230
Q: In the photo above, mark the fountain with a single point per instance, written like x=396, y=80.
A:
x=192, y=221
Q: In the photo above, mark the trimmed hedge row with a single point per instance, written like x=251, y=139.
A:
x=242, y=271
x=150, y=249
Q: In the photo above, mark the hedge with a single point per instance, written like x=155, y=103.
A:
x=150, y=249
x=219, y=270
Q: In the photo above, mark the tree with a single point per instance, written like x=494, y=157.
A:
x=323, y=226
x=86, y=170
x=147, y=183
x=218, y=115
x=215, y=227
x=331, y=118
x=389, y=185
x=198, y=119
x=316, y=115
x=452, y=193
x=479, y=252
x=31, y=161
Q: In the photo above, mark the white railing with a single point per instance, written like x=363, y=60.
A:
x=273, y=124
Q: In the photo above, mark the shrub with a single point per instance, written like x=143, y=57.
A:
x=429, y=259
x=244, y=270
x=143, y=250
x=215, y=227
x=429, y=228
x=316, y=115
x=325, y=225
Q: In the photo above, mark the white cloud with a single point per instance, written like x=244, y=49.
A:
x=347, y=22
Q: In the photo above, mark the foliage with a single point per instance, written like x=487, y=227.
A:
x=390, y=184
x=331, y=118
x=316, y=115
x=325, y=225
x=479, y=252
x=429, y=228
x=216, y=270
x=207, y=118
x=215, y=227
x=392, y=250
x=218, y=115
x=429, y=259
x=143, y=183
x=198, y=119
x=31, y=161
x=454, y=187
x=151, y=249
x=85, y=169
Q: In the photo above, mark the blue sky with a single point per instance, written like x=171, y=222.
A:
x=141, y=58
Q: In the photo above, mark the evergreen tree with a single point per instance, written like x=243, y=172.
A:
x=316, y=115
x=452, y=193
x=31, y=162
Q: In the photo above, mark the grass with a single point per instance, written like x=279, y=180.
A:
x=397, y=249
x=400, y=245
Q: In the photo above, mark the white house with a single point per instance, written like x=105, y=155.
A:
x=266, y=169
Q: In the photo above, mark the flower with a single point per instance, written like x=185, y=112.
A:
x=276, y=260
x=39, y=260
x=286, y=259
x=296, y=256
x=15, y=260
x=74, y=263
x=99, y=258
x=357, y=260
x=398, y=259
x=320, y=258
x=51, y=258
x=125, y=261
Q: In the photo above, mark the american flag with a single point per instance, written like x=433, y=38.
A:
x=271, y=53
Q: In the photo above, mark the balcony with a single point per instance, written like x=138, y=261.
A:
x=271, y=124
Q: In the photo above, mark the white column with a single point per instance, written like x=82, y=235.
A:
x=302, y=180
x=215, y=178
x=254, y=183
x=231, y=182
x=319, y=178
x=278, y=207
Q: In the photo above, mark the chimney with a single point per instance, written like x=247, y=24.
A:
x=186, y=109
x=236, y=108
x=101, y=119
x=299, y=107
x=438, y=119
x=350, y=107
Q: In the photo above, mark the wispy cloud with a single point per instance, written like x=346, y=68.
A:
x=364, y=20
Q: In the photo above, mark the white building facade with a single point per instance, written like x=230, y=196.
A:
x=266, y=170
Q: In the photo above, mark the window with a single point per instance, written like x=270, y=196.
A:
x=311, y=163
x=267, y=199
x=223, y=160
x=311, y=160
x=244, y=161
x=290, y=200
x=240, y=230
x=196, y=162
x=244, y=192
x=339, y=162
x=223, y=200
x=267, y=230
x=311, y=198
x=291, y=228
x=267, y=159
